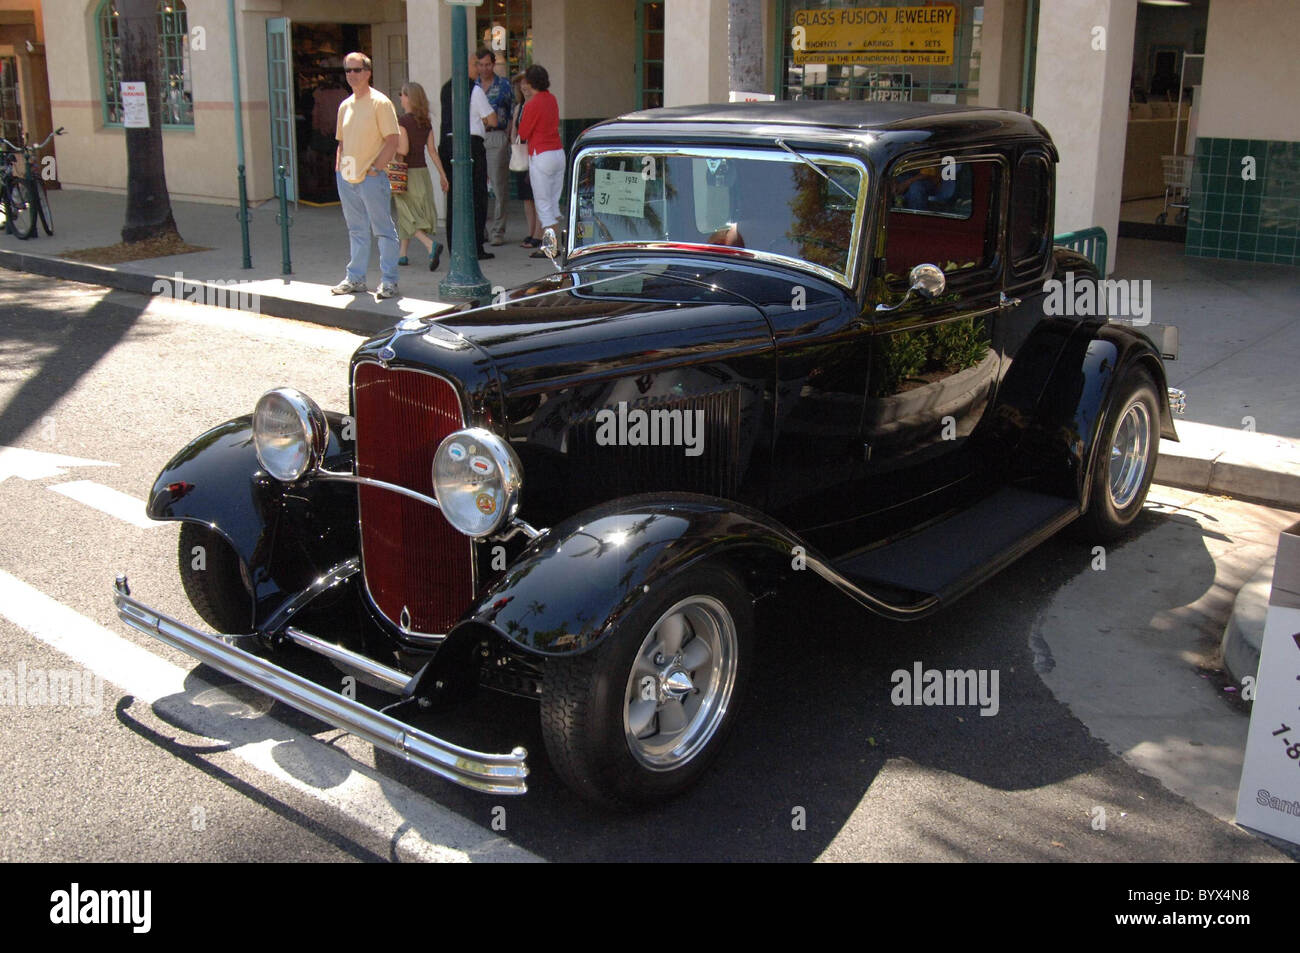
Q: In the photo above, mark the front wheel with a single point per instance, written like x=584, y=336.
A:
x=22, y=209
x=214, y=580
x=1125, y=459
x=637, y=720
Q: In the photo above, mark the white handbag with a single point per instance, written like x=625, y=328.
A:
x=518, y=156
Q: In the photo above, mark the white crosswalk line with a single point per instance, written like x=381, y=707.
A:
x=115, y=503
x=414, y=827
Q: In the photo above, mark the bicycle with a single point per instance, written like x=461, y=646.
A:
x=22, y=198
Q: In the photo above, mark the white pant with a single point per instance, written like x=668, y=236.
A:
x=546, y=174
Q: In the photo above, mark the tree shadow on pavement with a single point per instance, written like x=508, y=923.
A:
x=70, y=341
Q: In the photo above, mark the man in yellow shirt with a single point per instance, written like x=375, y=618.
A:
x=367, y=135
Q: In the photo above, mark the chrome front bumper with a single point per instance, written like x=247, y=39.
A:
x=492, y=773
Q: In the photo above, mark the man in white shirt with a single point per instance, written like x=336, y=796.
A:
x=481, y=118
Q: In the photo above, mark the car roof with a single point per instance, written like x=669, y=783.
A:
x=890, y=127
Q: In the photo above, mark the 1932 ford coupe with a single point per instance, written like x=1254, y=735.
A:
x=780, y=337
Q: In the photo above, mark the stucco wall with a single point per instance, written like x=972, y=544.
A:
x=200, y=162
x=1252, y=71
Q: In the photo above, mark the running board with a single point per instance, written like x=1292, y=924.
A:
x=948, y=558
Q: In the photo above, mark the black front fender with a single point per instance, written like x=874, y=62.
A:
x=283, y=534
x=569, y=586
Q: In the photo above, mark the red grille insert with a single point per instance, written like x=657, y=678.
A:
x=412, y=557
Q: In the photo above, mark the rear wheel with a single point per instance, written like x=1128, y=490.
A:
x=1125, y=459
x=47, y=215
x=22, y=209
x=639, y=719
x=214, y=580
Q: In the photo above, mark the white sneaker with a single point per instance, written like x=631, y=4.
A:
x=385, y=290
x=347, y=287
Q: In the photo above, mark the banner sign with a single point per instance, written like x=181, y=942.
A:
x=1269, y=797
x=875, y=36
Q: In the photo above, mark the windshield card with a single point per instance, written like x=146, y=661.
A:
x=620, y=193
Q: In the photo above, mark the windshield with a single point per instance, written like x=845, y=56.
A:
x=766, y=203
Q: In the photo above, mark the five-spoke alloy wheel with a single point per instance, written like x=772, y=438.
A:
x=1125, y=458
x=637, y=719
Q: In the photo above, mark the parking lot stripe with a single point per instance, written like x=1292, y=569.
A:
x=413, y=827
x=115, y=503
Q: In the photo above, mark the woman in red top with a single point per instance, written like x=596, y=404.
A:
x=540, y=128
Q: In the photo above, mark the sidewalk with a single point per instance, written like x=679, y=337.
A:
x=318, y=243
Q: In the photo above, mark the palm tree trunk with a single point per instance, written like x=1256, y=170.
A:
x=745, y=46
x=148, y=206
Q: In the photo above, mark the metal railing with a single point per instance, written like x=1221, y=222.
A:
x=1091, y=242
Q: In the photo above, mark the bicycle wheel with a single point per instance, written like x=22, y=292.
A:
x=22, y=209
x=47, y=214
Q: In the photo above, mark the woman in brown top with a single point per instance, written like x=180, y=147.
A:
x=416, y=213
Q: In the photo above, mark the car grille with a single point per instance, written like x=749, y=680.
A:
x=418, y=570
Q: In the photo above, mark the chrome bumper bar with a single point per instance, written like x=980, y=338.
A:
x=493, y=773
x=1177, y=400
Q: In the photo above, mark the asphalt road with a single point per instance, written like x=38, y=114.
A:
x=164, y=764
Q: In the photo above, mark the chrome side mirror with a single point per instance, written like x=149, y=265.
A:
x=927, y=281
x=552, y=247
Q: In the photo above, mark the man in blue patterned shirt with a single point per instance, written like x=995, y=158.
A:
x=501, y=98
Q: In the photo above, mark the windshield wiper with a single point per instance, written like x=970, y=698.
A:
x=816, y=168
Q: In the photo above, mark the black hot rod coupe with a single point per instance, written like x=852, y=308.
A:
x=779, y=337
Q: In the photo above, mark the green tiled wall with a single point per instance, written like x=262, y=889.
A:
x=1252, y=220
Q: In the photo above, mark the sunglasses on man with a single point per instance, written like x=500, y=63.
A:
x=355, y=69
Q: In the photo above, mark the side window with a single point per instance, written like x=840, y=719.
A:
x=944, y=213
x=1031, y=203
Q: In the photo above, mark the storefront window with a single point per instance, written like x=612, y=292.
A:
x=173, y=63
x=10, y=114
x=944, y=68
x=506, y=28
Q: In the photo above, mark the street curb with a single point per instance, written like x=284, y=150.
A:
x=1252, y=467
x=1244, y=633
x=357, y=321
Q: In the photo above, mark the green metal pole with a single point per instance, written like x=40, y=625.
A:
x=1029, y=65
x=464, y=279
x=282, y=190
x=239, y=134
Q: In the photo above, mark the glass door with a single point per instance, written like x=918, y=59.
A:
x=284, y=148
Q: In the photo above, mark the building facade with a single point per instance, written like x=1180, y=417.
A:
x=1109, y=78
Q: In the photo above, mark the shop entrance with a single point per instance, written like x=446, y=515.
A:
x=1160, y=139
x=307, y=85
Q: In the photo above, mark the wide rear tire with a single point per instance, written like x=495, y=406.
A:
x=1125, y=459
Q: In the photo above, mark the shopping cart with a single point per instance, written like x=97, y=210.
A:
x=1178, y=181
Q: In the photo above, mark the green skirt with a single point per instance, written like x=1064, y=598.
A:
x=415, y=208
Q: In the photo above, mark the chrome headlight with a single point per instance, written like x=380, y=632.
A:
x=476, y=478
x=289, y=433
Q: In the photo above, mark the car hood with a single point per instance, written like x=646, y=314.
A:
x=606, y=320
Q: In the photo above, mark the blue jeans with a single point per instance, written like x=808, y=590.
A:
x=367, y=207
